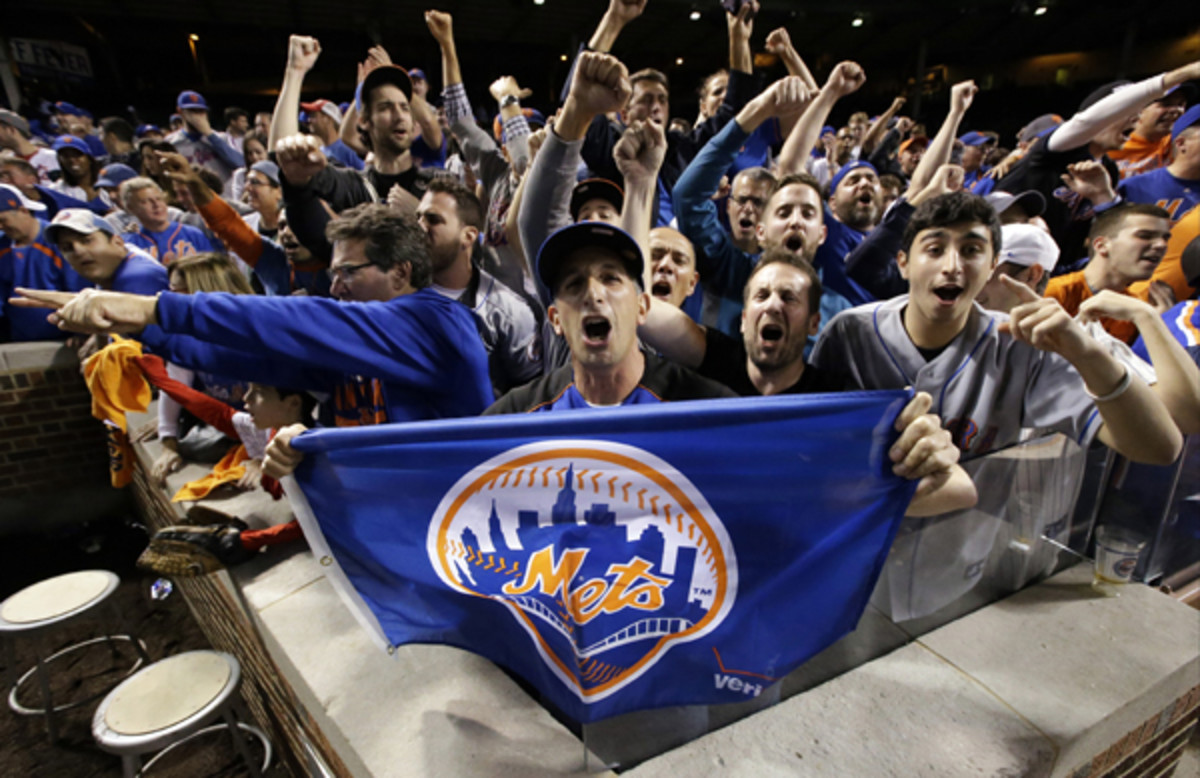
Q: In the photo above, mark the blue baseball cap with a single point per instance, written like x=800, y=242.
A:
x=145, y=129
x=417, y=73
x=11, y=199
x=63, y=107
x=975, y=139
x=79, y=220
x=559, y=247
x=188, y=99
x=115, y=174
x=846, y=170
x=1190, y=118
x=71, y=142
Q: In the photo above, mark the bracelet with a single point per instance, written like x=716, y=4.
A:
x=509, y=100
x=1115, y=393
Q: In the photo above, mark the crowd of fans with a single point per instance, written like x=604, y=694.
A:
x=398, y=260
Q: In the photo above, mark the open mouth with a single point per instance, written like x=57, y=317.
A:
x=772, y=333
x=746, y=223
x=865, y=198
x=660, y=289
x=596, y=328
x=948, y=294
x=794, y=244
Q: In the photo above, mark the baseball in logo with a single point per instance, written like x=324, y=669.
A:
x=606, y=556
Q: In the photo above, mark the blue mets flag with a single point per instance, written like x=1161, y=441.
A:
x=646, y=556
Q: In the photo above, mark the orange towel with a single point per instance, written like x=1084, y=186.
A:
x=227, y=471
x=117, y=386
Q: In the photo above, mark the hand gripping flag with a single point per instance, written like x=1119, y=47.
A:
x=618, y=560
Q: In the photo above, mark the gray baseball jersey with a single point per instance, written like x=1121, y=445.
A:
x=986, y=386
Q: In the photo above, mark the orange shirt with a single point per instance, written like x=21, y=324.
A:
x=1139, y=155
x=1071, y=290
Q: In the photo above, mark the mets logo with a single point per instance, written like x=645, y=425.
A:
x=604, y=554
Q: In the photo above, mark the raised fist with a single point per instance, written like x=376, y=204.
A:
x=779, y=42
x=639, y=153
x=787, y=96
x=846, y=78
x=300, y=158
x=601, y=83
x=962, y=95
x=441, y=26
x=303, y=51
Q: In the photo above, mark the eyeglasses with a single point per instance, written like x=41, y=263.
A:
x=344, y=273
x=757, y=202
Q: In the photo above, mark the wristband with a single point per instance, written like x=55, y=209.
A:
x=509, y=100
x=1115, y=393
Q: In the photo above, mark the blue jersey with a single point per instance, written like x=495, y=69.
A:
x=36, y=266
x=426, y=156
x=416, y=357
x=1183, y=321
x=756, y=150
x=1176, y=196
x=177, y=240
x=139, y=274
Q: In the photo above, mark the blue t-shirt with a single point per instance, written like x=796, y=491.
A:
x=1176, y=196
x=425, y=156
x=177, y=240
x=139, y=274
x=36, y=266
x=1183, y=322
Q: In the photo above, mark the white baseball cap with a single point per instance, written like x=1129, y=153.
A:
x=78, y=220
x=1027, y=245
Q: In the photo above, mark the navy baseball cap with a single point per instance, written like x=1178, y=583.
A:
x=975, y=139
x=188, y=99
x=559, y=247
x=1039, y=127
x=63, y=107
x=145, y=129
x=1190, y=118
x=385, y=74
x=1032, y=201
x=846, y=170
x=11, y=199
x=71, y=142
x=79, y=220
x=115, y=174
x=595, y=189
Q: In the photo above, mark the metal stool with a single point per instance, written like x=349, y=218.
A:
x=52, y=604
x=169, y=703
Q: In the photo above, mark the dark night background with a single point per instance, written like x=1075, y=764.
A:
x=1026, y=63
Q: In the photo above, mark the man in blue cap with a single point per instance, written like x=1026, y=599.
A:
x=594, y=273
x=1176, y=187
x=199, y=143
x=109, y=183
x=79, y=171
x=28, y=260
x=975, y=148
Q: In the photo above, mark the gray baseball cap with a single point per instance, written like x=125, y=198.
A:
x=14, y=120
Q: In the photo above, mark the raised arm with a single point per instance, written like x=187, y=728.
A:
x=302, y=55
x=937, y=154
x=845, y=79
x=879, y=126
x=619, y=14
x=639, y=155
x=779, y=43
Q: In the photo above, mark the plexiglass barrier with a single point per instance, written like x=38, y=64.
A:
x=1039, y=503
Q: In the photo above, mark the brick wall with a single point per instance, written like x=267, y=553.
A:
x=1151, y=750
x=48, y=437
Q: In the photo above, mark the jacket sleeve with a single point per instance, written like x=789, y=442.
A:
x=408, y=343
x=307, y=212
x=226, y=153
x=547, y=203
x=872, y=263
x=602, y=136
x=195, y=354
x=723, y=267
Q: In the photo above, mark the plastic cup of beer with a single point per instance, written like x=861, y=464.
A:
x=1117, y=551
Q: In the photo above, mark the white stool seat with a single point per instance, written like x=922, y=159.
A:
x=56, y=598
x=170, y=691
x=170, y=702
x=48, y=606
